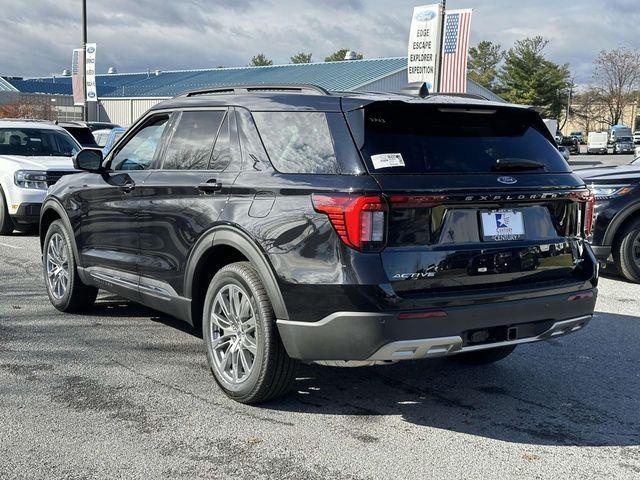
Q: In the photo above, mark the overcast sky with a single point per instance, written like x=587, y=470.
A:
x=37, y=36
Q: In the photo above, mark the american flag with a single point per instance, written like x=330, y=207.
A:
x=457, y=26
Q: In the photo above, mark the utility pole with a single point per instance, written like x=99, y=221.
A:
x=84, y=59
x=443, y=10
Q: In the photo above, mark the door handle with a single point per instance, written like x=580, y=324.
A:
x=210, y=186
x=128, y=187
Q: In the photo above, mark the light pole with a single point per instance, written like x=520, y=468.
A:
x=84, y=59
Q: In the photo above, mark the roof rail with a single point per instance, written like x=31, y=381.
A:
x=244, y=89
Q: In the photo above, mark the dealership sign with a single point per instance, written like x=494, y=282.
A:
x=77, y=77
x=90, y=69
x=424, y=45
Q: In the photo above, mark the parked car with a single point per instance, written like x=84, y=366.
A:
x=81, y=132
x=292, y=224
x=101, y=136
x=597, y=142
x=572, y=144
x=114, y=135
x=93, y=126
x=623, y=145
x=33, y=156
x=578, y=136
x=617, y=215
x=564, y=151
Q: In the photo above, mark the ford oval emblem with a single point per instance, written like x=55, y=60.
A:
x=425, y=16
x=507, y=180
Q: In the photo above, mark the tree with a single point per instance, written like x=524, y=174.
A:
x=339, y=56
x=260, y=60
x=527, y=77
x=588, y=111
x=28, y=109
x=616, y=76
x=484, y=59
x=301, y=57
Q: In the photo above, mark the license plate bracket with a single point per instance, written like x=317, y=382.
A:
x=502, y=225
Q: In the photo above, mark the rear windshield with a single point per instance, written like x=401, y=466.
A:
x=83, y=135
x=415, y=139
x=33, y=142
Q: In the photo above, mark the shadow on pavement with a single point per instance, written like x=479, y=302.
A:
x=554, y=393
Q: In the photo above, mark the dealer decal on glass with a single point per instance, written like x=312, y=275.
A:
x=502, y=225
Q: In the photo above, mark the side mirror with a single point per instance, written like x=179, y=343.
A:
x=89, y=159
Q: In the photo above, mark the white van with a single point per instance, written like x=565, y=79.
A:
x=597, y=142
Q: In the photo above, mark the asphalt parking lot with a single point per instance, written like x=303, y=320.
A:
x=125, y=392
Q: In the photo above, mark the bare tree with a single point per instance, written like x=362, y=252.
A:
x=616, y=76
x=589, y=111
x=28, y=109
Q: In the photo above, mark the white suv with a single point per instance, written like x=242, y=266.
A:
x=33, y=156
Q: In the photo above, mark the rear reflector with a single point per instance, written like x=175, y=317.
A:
x=580, y=296
x=359, y=221
x=429, y=314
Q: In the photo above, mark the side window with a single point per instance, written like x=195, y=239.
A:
x=191, y=144
x=141, y=149
x=253, y=153
x=298, y=142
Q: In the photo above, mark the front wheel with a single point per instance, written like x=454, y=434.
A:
x=244, y=350
x=6, y=224
x=66, y=291
x=626, y=252
x=483, y=357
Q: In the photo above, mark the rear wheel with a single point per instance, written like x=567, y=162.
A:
x=244, y=350
x=65, y=289
x=483, y=357
x=626, y=253
x=6, y=224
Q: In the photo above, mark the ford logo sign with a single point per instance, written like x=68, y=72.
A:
x=91, y=50
x=425, y=16
x=507, y=180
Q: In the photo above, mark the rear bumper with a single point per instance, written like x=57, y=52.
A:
x=372, y=337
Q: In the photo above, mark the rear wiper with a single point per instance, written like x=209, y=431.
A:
x=516, y=164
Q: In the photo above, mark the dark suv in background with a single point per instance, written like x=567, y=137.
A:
x=293, y=224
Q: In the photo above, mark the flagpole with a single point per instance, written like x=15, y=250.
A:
x=443, y=10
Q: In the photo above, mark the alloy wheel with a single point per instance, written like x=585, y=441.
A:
x=233, y=333
x=57, y=261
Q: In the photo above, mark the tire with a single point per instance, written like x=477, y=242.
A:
x=626, y=252
x=272, y=372
x=483, y=357
x=6, y=224
x=57, y=251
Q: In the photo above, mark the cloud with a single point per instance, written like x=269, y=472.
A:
x=134, y=36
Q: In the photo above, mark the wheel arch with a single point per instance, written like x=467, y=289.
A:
x=619, y=222
x=221, y=246
x=51, y=211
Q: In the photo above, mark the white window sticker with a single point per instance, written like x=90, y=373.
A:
x=387, y=160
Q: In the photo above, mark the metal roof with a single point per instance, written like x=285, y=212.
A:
x=6, y=86
x=335, y=76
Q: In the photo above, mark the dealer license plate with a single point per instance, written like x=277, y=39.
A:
x=502, y=225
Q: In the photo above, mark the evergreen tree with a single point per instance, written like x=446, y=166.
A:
x=484, y=59
x=528, y=78
x=260, y=60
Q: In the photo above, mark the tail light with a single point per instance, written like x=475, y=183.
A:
x=359, y=221
x=589, y=200
x=588, y=214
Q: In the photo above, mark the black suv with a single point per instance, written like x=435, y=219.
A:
x=293, y=224
x=616, y=229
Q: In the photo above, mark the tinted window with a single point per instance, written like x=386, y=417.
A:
x=82, y=135
x=36, y=142
x=298, y=142
x=409, y=139
x=191, y=144
x=141, y=149
x=253, y=152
